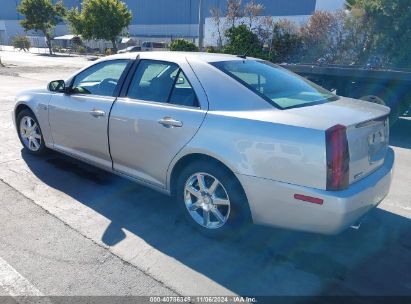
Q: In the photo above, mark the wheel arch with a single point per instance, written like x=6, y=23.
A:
x=20, y=107
x=40, y=116
x=190, y=158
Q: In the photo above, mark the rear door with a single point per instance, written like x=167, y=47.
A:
x=79, y=120
x=159, y=114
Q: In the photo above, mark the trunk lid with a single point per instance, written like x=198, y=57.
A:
x=366, y=128
x=367, y=131
x=367, y=143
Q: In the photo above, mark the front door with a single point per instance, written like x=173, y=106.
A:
x=159, y=115
x=79, y=120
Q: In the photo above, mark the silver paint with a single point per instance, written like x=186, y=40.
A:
x=274, y=153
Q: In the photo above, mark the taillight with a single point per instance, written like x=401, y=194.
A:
x=338, y=158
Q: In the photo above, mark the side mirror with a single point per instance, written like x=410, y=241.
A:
x=57, y=86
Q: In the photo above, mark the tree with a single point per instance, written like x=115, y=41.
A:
x=286, y=42
x=314, y=35
x=252, y=10
x=216, y=15
x=234, y=11
x=350, y=4
x=22, y=43
x=242, y=41
x=43, y=16
x=323, y=36
x=391, y=29
x=358, y=36
x=100, y=19
x=183, y=45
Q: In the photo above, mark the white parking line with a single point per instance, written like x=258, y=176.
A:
x=14, y=283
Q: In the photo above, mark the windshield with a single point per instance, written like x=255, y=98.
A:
x=280, y=87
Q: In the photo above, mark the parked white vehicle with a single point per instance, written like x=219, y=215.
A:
x=149, y=46
x=235, y=140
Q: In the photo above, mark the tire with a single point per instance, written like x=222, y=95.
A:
x=29, y=132
x=383, y=96
x=230, y=218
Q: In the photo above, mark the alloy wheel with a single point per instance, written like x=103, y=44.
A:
x=30, y=133
x=206, y=200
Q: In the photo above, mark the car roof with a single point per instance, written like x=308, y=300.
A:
x=168, y=55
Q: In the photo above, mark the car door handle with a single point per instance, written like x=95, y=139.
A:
x=97, y=113
x=170, y=122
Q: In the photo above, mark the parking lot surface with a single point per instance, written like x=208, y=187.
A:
x=70, y=229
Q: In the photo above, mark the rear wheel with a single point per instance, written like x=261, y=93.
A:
x=212, y=200
x=30, y=133
x=373, y=99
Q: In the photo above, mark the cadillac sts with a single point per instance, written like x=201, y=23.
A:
x=235, y=140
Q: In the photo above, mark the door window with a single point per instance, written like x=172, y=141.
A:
x=153, y=81
x=160, y=81
x=100, y=79
x=183, y=94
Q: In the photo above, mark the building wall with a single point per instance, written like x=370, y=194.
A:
x=2, y=33
x=329, y=5
x=177, y=11
x=170, y=18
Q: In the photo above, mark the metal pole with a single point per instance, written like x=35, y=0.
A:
x=200, y=25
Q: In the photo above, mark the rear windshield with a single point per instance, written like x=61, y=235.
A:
x=279, y=86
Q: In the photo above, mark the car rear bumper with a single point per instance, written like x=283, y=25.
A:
x=272, y=203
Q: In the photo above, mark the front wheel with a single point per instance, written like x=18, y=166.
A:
x=30, y=133
x=212, y=200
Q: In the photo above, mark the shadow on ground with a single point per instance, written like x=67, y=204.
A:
x=400, y=133
x=259, y=261
x=55, y=55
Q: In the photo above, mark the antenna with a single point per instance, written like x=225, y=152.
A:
x=243, y=56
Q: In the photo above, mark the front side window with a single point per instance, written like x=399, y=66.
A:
x=100, y=79
x=161, y=81
x=280, y=87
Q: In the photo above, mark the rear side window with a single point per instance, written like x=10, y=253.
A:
x=152, y=81
x=183, y=94
x=161, y=81
x=280, y=87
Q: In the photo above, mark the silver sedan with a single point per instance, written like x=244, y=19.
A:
x=236, y=140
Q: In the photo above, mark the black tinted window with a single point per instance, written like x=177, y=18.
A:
x=183, y=94
x=275, y=84
x=153, y=81
x=161, y=81
x=100, y=79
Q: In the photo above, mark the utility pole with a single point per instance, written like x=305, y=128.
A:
x=200, y=25
x=17, y=5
